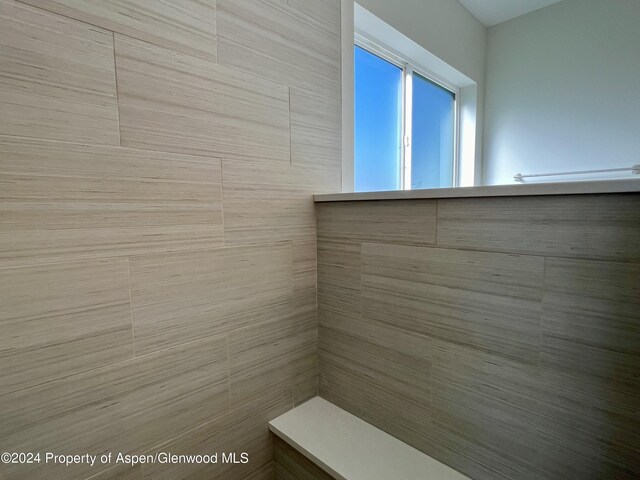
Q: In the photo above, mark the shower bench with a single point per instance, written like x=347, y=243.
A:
x=320, y=441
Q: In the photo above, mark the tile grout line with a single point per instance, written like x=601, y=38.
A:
x=124, y=361
x=226, y=340
x=293, y=281
x=133, y=333
x=202, y=55
x=115, y=70
x=224, y=226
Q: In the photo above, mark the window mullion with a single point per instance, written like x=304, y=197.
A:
x=407, y=126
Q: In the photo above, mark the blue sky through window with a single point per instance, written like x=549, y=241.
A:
x=378, y=123
x=432, y=135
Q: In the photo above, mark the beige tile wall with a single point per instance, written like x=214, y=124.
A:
x=499, y=335
x=157, y=231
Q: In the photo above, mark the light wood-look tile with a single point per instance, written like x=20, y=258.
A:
x=265, y=472
x=404, y=222
x=62, y=319
x=488, y=405
x=181, y=297
x=399, y=416
x=289, y=464
x=463, y=454
x=57, y=77
x=339, y=277
x=186, y=26
x=316, y=138
x=306, y=388
x=128, y=407
x=388, y=358
x=489, y=301
x=305, y=273
x=534, y=371
x=326, y=13
x=279, y=351
x=177, y=103
x=119, y=472
x=586, y=429
x=338, y=386
x=243, y=429
x=591, y=321
x=579, y=226
x=290, y=44
x=61, y=200
x=265, y=203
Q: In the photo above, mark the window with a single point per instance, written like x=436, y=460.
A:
x=378, y=123
x=405, y=125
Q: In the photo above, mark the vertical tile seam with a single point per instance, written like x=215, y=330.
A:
x=293, y=270
x=224, y=226
x=133, y=332
x=115, y=71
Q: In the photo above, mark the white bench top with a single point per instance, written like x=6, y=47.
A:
x=349, y=448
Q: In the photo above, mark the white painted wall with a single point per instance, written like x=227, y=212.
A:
x=446, y=29
x=563, y=91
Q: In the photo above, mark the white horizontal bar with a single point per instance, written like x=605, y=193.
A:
x=635, y=169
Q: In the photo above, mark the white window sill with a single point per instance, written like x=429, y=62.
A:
x=556, y=188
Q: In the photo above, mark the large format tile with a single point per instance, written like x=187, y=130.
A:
x=591, y=321
x=316, y=139
x=305, y=388
x=265, y=202
x=57, y=77
x=485, y=407
x=587, y=226
x=279, y=351
x=243, y=429
x=398, y=415
x=128, y=407
x=61, y=200
x=305, y=273
x=338, y=386
x=187, y=26
x=293, y=43
x=339, y=282
x=57, y=320
x=411, y=222
x=290, y=464
x=119, y=472
x=181, y=297
x=489, y=301
x=393, y=371
x=388, y=358
x=174, y=102
x=586, y=429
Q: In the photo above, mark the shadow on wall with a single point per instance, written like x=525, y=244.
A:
x=501, y=336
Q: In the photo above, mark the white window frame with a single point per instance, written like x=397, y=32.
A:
x=408, y=68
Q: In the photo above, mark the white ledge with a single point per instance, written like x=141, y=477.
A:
x=349, y=448
x=556, y=188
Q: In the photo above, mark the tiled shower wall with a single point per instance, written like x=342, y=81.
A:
x=157, y=232
x=499, y=335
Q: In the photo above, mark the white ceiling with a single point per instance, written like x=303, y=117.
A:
x=492, y=12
